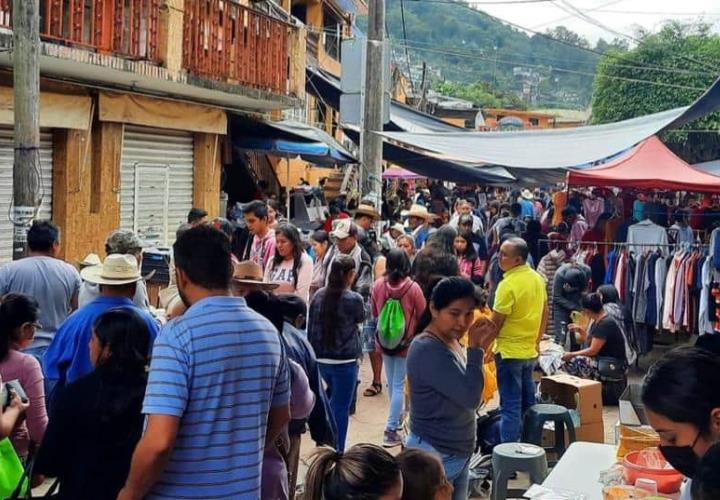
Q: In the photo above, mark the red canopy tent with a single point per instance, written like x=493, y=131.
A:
x=650, y=165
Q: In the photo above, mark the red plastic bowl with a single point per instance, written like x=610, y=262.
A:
x=668, y=480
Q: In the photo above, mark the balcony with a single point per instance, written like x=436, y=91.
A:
x=213, y=51
x=128, y=28
x=228, y=41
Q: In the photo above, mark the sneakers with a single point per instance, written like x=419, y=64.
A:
x=391, y=439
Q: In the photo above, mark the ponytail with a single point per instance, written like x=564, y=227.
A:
x=364, y=472
x=340, y=269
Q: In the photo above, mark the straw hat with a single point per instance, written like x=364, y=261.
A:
x=117, y=269
x=369, y=210
x=421, y=212
x=248, y=272
x=527, y=194
x=92, y=259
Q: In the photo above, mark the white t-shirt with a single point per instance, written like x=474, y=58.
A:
x=283, y=275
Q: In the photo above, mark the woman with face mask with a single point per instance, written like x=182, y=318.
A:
x=682, y=403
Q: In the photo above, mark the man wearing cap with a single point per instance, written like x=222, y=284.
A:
x=53, y=283
x=123, y=242
x=419, y=220
x=68, y=357
x=365, y=217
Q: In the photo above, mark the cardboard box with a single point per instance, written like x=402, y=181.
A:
x=575, y=393
x=591, y=433
x=632, y=409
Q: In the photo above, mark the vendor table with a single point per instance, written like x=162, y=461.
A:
x=579, y=469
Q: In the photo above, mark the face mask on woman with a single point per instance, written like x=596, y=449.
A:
x=682, y=458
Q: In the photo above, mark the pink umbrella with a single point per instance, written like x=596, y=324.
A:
x=392, y=173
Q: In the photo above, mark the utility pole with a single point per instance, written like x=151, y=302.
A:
x=26, y=86
x=372, y=144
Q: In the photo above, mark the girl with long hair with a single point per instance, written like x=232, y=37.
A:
x=397, y=285
x=364, y=472
x=320, y=241
x=18, y=322
x=335, y=312
x=471, y=267
x=291, y=267
x=99, y=416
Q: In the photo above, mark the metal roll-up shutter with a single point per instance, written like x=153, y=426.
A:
x=6, y=185
x=156, y=182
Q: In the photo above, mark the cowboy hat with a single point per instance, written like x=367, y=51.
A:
x=421, y=212
x=92, y=259
x=117, y=269
x=248, y=272
x=368, y=210
x=527, y=194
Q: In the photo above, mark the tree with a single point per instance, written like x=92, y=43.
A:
x=666, y=70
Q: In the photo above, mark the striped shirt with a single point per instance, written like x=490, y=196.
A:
x=219, y=368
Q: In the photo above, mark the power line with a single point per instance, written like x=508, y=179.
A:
x=561, y=70
x=548, y=37
x=568, y=7
x=407, y=53
x=650, y=13
x=564, y=18
x=490, y=2
x=482, y=52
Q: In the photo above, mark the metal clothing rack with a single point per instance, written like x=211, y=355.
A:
x=623, y=244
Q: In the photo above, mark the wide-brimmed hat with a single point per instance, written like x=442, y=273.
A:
x=397, y=227
x=117, y=269
x=369, y=210
x=248, y=272
x=527, y=194
x=344, y=229
x=421, y=212
x=92, y=259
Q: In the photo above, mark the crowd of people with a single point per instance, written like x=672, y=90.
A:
x=267, y=327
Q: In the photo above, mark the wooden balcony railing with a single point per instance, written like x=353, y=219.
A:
x=224, y=40
x=128, y=28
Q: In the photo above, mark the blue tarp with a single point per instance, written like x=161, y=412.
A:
x=288, y=139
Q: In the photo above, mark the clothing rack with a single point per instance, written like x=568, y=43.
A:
x=622, y=243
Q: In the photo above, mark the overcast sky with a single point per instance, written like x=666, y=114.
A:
x=620, y=15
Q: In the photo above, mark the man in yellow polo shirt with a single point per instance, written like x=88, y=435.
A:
x=519, y=315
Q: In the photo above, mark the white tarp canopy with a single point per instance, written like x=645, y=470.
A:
x=524, y=151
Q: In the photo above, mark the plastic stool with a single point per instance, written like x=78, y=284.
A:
x=535, y=419
x=509, y=458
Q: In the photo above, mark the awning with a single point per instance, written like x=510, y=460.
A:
x=393, y=173
x=650, y=165
x=405, y=118
x=288, y=139
x=711, y=167
x=554, y=148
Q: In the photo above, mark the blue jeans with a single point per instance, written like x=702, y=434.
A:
x=395, y=370
x=457, y=467
x=342, y=379
x=517, y=394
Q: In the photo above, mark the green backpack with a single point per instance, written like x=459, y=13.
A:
x=392, y=326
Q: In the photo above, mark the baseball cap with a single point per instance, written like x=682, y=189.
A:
x=122, y=241
x=344, y=229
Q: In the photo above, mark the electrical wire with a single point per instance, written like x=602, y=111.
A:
x=569, y=8
x=564, y=18
x=407, y=53
x=549, y=37
x=561, y=70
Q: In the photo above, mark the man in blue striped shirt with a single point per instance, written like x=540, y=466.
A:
x=218, y=388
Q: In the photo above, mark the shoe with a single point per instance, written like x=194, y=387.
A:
x=391, y=439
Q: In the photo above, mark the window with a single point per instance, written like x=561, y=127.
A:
x=534, y=122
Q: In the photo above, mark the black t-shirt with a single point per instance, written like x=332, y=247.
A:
x=609, y=330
